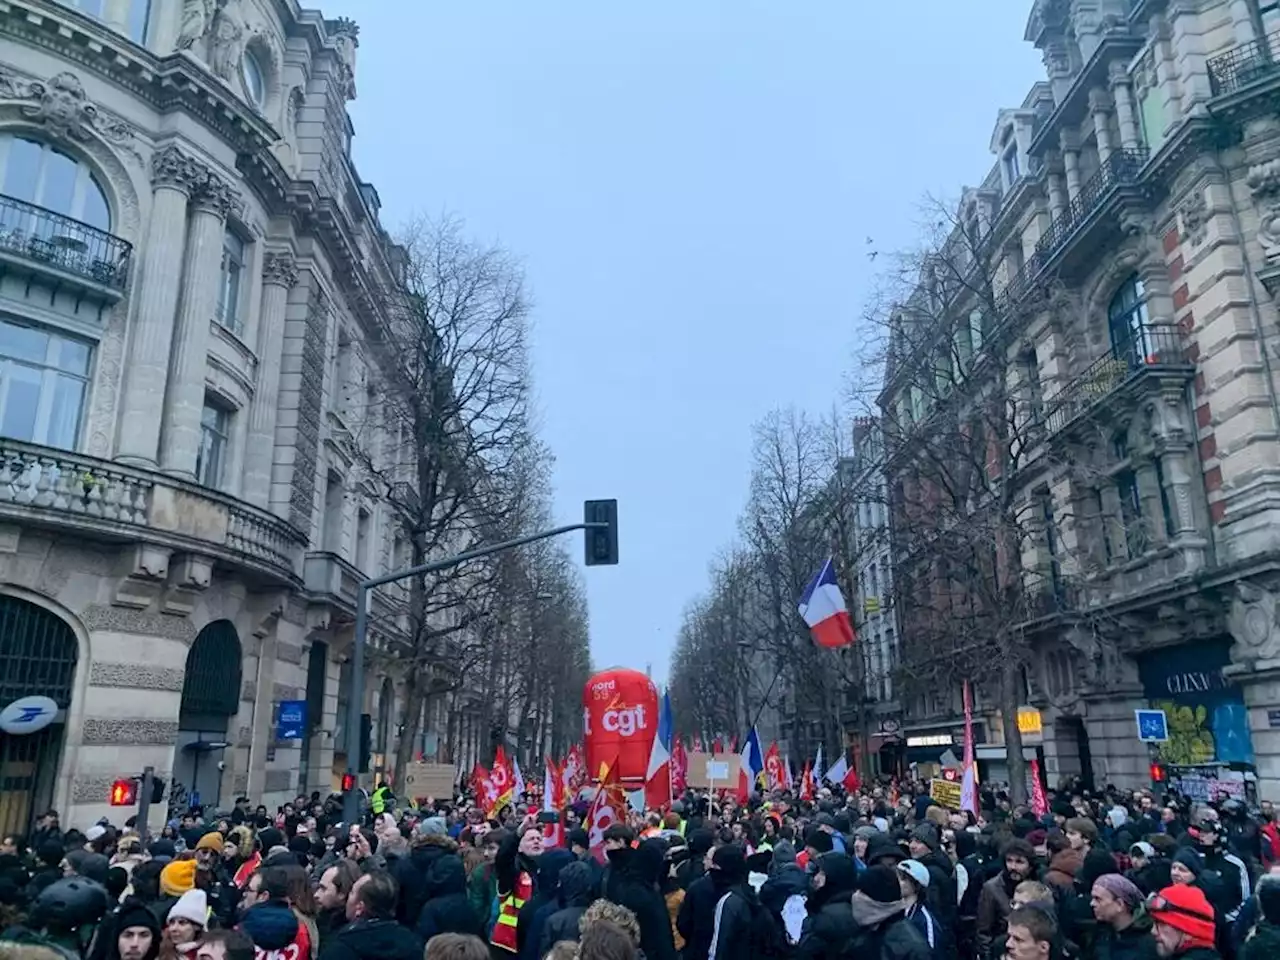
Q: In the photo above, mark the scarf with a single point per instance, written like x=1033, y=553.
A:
x=872, y=913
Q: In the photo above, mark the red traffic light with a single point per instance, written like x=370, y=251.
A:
x=348, y=782
x=124, y=793
x=1157, y=773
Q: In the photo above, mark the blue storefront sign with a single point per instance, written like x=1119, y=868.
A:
x=1207, y=719
x=293, y=720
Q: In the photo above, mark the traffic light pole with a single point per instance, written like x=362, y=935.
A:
x=144, y=800
x=355, y=701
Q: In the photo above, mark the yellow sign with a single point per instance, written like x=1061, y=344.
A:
x=871, y=606
x=946, y=792
x=1029, y=721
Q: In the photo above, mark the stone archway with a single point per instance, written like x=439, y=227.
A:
x=38, y=655
x=210, y=700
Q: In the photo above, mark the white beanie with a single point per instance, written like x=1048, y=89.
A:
x=192, y=905
x=94, y=832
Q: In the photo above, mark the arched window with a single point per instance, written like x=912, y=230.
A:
x=1127, y=323
x=39, y=174
x=211, y=686
x=254, y=77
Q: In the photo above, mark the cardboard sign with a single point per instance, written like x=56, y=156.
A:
x=716, y=771
x=946, y=793
x=433, y=780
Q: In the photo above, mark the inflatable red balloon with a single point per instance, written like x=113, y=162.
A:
x=619, y=719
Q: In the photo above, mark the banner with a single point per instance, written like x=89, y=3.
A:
x=428, y=781
x=775, y=779
x=573, y=772
x=946, y=792
x=679, y=768
x=1039, y=802
x=806, y=784
x=608, y=807
x=503, y=781
x=713, y=771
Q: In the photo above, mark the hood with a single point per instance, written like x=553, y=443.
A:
x=379, y=940
x=841, y=874
x=577, y=885
x=427, y=850
x=550, y=863
x=788, y=880
x=271, y=926
x=1067, y=861
x=447, y=876
x=642, y=863
x=941, y=861
x=882, y=845
x=436, y=842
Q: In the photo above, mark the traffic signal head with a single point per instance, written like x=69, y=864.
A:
x=348, y=782
x=124, y=793
x=1157, y=773
x=602, y=540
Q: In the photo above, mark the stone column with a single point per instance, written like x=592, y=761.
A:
x=279, y=274
x=1057, y=193
x=1126, y=112
x=174, y=177
x=1071, y=162
x=184, y=402
x=1170, y=87
x=1100, y=108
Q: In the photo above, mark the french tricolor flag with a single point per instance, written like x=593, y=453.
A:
x=822, y=607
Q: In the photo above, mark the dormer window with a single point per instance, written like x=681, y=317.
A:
x=1009, y=165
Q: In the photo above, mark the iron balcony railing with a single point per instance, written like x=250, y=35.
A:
x=1145, y=347
x=1120, y=169
x=45, y=237
x=1244, y=64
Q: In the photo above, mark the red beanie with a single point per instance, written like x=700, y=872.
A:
x=1187, y=909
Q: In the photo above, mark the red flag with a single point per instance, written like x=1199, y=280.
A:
x=553, y=802
x=851, y=780
x=774, y=777
x=608, y=807
x=1039, y=802
x=573, y=773
x=486, y=793
x=716, y=747
x=733, y=744
x=697, y=744
x=806, y=783
x=503, y=779
x=679, y=768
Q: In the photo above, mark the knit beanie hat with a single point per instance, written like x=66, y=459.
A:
x=211, y=841
x=1189, y=859
x=731, y=860
x=135, y=913
x=268, y=838
x=927, y=834
x=192, y=905
x=1185, y=908
x=161, y=849
x=1120, y=887
x=880, y=883
x=819, y=840
x=178, y=877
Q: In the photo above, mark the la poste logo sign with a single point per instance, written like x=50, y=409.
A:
x=28, y=715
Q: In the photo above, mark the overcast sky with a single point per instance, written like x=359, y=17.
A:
x=691, y=184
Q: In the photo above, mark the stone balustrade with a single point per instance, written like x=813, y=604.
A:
x=102, y=499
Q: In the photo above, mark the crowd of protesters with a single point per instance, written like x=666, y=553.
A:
x=882, y=874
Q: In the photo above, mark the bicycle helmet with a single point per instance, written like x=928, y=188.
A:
x=69, y=903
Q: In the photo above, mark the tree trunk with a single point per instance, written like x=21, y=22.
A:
x=1010, y=696
x=414, y=694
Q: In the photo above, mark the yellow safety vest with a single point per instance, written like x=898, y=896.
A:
x=504, y=930
x=378, y=802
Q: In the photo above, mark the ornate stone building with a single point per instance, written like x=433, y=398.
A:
x=185, y=246
x=1130, y=224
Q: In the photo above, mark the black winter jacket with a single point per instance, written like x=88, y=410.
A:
x=696, y=920
x=574, y=893
x=895, y=939
x=373, y=940
x=447, y=909
x=411, y=873
x=633, y=883
x=830, y=928
x=1132, y=943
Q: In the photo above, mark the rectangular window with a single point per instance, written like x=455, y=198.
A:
x=211, y=458
x=1166, y=508
x=1135, y=534
x=229, y=282
x=136, y=13
x=43, y=381
x=1151, y=115
x=1009, y=161
x=1034, y=398
x=1103, y=525
x=364, y=522
x=333, y=508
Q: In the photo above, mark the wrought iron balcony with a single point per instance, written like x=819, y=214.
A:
x=1121, y=168
x=100, y=499
x=47, y=239
x=1244, y=64
x=1148, y=347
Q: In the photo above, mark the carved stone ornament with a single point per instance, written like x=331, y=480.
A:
x=197, y=20
x=280, y=269
x=227, y=45
x=1254, y=623
x=171, y=167
x=214, y=195
x=62, y=105
x=1264, y=178
x=1269, y=230
x=1194, y=215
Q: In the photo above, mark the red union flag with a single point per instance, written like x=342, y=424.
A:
x=806, y=783
x=573, y=772
x=679, y=768
x=482, y=786
x=775, y=778
x=608, y=807
x=502, y=779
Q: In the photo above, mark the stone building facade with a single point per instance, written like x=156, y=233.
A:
x=186, y=257
x=1132, y=219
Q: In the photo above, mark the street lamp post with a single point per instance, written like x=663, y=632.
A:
x=355, y=703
